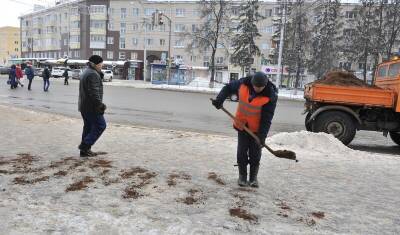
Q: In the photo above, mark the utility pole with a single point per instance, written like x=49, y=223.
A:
x=281, y=40
x=157, y=18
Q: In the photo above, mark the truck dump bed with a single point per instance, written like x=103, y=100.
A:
x=349, y=95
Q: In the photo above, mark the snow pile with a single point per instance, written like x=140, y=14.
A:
x=308, y=141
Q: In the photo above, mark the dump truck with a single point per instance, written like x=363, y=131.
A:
x=342, y=105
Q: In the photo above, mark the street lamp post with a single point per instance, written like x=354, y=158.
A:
x=169, y=47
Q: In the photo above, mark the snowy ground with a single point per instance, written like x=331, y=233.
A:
x=156, y=181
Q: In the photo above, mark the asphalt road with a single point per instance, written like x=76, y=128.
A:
x=167, y=109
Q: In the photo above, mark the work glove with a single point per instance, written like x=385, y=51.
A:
x=262, y=139
x=102, y=108
x=217, y=104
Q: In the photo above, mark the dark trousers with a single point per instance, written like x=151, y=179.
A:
x=30, y=83
x=248, y=151
x=93, y=126
x=46, y=84
x=66, y=81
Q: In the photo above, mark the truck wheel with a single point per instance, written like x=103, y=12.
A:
x=308, y=125
x=337, y=123
x=395, y=136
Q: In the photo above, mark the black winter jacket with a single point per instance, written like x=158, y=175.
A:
x=91, y=91
x=268, y=109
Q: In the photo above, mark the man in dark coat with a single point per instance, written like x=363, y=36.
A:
x=30, y=74
x=12, y=77
x=46, y=79
x=257, y=102
x=66, y=77
x=91, y=105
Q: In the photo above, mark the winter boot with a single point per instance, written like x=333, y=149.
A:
x=253, y=175
x=85, y=150
x=242, y=181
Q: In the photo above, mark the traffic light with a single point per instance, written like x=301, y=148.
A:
x=160, y=20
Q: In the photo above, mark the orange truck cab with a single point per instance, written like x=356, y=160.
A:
x=342, y=110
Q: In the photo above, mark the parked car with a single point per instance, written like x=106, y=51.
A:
x=108, y=75
x=4, y=70
x=75, y=73
x=57, y=72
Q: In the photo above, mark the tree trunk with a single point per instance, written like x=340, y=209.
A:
x=212, y=79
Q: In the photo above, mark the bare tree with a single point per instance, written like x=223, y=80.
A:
x=392, y=26
x=214, y=31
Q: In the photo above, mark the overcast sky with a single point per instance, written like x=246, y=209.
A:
x=11, y=9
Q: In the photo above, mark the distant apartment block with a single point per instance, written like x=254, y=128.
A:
x=10, y=44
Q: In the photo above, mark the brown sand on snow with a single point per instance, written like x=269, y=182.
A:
x=342, y=79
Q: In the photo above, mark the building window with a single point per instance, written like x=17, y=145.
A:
x=134, y=55
x=97, y=9
x=135, y=41
x=194, y=28
x=110, y=55
x=220, y=60
x=149, y=41
x=351, y=14
x=149, y=27
x=77, y=54
x=179, y=43
x=135, y=11
x=121, y=55
x=122, y=43
x=149, y=11
x=135, y=27
x=97, y=24
x=267, y=12
x=235, y=11
x=180, y=12
x=110, y=40
x=193, y=58
x=99, y=53
x=122, y=29
x=179, y=27
x=110, y=26
x=162, y=42
x=123, y=13
x=269, y=29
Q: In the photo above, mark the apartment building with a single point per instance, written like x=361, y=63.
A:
x=9, y=46
x=122, y=30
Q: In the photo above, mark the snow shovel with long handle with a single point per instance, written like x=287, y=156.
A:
x=277, y=153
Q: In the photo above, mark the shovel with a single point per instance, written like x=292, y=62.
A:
x=278, y=153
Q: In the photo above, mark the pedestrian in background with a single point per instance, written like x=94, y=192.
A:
x=30, y=74
x=91, y=105
x=46, y=79
x=12, y=77
x=65, y=74
x=19, y=75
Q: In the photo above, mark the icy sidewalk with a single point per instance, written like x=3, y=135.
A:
x=156, y=181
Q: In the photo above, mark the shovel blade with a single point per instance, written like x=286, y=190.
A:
x=285, y=154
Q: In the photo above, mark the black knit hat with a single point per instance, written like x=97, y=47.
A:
x=259, y=79
x=95, y=59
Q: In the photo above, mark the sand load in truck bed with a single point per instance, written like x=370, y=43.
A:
x=340, y=78
x=346, y=89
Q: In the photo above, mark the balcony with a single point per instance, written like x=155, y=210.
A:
x=98, y=16
x=75, y=45
x=101, y=31
x=74, y=18
x=97, y=45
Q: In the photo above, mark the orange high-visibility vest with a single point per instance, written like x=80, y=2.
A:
x=249, y=113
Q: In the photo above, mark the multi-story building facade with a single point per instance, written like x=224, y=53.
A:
x=10, y=44
x=122, y=30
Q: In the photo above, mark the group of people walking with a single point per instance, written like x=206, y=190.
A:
x=16, y=75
